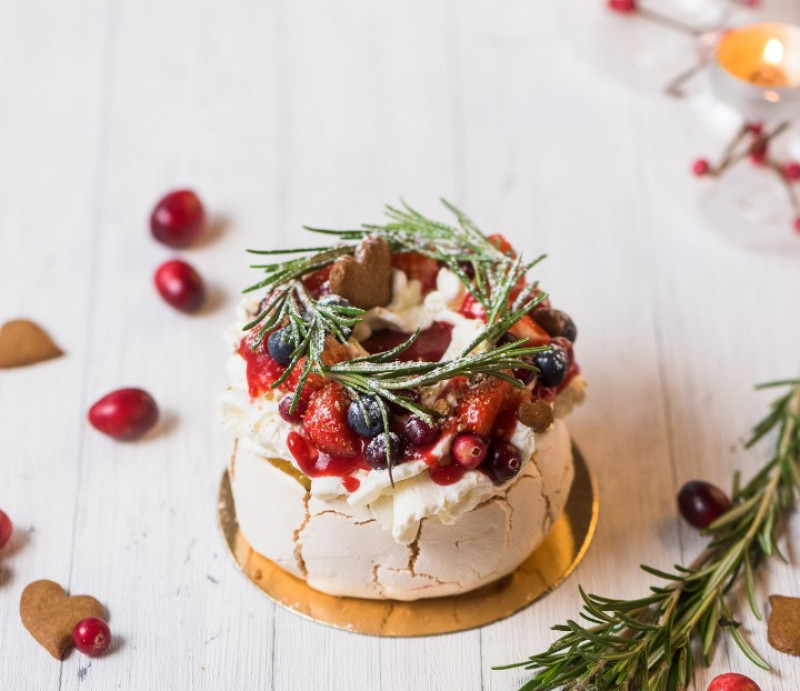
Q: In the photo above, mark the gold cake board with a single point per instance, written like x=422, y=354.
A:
x=543, y=571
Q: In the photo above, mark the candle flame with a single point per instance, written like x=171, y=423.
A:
x=773, y=52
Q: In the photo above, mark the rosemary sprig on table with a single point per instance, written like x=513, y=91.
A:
x=494, y=277
x=647, y=643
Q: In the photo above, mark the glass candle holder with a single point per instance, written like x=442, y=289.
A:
x=756, y=70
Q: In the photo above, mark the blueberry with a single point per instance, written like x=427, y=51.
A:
x=281, y=345
x=556, y=323
x=552, y=365
x=364, y=416
x=376, y=451
x=334, y=299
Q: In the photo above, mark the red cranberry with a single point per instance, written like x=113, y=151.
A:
x=526, y=376
x=468, y=450
x=91, y=636
x=124, y=414
x=701, y=503
x=285, y=408
x=447, y=474
x=6, y=528
x=468, y=268
x=797, y=224
x=420, y=433
x=623, y=6
x=180, y=285
x=177, y=219
x=504, y=461
x=755, y=128
x=733, y=682
x=701, y=167
x=792, y=171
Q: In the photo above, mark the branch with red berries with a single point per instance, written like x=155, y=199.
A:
x=752, y=142
x=634, y=7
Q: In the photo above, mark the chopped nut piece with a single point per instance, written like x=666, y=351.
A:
x=441, y=406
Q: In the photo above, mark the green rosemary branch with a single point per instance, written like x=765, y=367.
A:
x=494, y=277
x=647, y=643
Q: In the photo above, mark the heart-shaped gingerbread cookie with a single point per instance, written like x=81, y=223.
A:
x=783, y=625
x=24, y=343
x=366, y=278
x=50, y=614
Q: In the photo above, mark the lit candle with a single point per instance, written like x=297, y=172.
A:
x=757, y=70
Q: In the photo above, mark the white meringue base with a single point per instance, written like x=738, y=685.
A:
x=342, y=550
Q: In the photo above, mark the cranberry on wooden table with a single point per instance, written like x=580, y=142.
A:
x=124, y=414
x=177, y=219
x=6, y=528
x=733, y=682
x=701, y=503
x=91, y=636
x=180, y=285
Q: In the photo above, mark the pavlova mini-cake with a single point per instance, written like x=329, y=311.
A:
x=397, y=400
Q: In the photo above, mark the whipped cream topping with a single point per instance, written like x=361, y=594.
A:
x=399, y=509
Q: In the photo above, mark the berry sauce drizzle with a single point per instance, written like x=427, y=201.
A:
x=316, y=463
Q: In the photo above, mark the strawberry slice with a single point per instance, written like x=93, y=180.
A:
x=417, y=266
x=325, y=422
x=479, y=407
x=315, y=283
x=528, y=329
x=501, y=243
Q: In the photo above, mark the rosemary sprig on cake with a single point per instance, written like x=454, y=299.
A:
x=492, y=273
x=648, y=643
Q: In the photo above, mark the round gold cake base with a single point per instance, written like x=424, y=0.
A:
x=540, y=573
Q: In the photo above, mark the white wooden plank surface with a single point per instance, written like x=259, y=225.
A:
x=287, y=113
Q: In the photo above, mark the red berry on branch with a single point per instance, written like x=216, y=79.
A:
x=6, y=528
x=797, y=224
x=180, y=285
x=701, y=503
x=177, y=219
x=91, y=636
x=623, y=6
x=792, y=171
x=758, y=152
x=701, y=167
x=124, y=414
x=733, y=682
x=755, y=128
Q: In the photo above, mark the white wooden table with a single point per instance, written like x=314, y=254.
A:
x=282, y=113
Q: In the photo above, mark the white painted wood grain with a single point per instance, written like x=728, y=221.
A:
x=287, y=113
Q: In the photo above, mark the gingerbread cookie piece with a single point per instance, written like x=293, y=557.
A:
x=366, y=278
x=50, y=615
x=783, y=625
x=24, y=343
